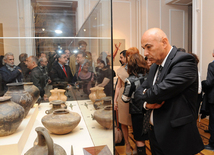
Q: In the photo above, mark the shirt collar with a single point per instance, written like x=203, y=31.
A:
x=60, y=65
x=164, y=61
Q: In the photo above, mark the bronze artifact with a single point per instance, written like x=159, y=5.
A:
x=32, y=90
x=56, y=104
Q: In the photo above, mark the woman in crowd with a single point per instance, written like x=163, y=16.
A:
x=86, y=77
x=137, y=70
x=123, y=109
x=104, y=76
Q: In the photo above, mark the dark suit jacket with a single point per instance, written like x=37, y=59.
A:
x=175, y=122
x=208, y=84
x=58, y=75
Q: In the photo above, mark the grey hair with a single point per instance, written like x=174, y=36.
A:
x=5, y=57
x=42, y=59
x=34, y=59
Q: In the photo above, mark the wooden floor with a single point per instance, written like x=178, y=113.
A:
x=202, y=125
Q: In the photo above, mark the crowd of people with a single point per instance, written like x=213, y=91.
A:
x=60, y=69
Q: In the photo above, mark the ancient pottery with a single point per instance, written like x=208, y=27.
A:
x=61, y=95
x=11, y=116
x=56, y=104
x=45, y=145
x=20, y=96
x=32, y=90
x=96, y=93
x=93, y=94
x=61, y=121
x=54, y=95
x=57, y=94
x=100, y=92
x=104, y=117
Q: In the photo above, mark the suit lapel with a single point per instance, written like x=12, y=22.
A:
x=168, y=62
x=152, y=72
x=60, y=69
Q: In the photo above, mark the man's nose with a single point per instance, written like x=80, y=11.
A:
x=146, y=53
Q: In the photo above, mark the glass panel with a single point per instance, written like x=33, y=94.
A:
x=31, y=27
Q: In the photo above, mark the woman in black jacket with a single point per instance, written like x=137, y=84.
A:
x=137, y=70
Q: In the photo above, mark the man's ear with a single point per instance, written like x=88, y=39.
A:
x=165, y=42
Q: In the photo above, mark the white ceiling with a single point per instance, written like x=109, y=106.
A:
x=179, y=2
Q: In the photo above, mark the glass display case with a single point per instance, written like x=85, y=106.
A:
x=37, y=27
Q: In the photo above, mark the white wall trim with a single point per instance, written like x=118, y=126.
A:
x=18, y=27
x=170, y=25
x=201, y=40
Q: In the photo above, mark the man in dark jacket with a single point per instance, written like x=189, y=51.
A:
x=36, y=75
x=23, y=66
x=170, y=91
x=9, y=72
x=61, y=72
x=208, y=87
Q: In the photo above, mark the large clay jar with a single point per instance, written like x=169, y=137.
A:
x=20, y=96
x=93, y=94
x=100, y=92
x=11, y=116
x=45, y=145
x=32, y=90
x=61, y=94
x=104, y=117
x=54, y=95
x=56, y=104
x=61, y=121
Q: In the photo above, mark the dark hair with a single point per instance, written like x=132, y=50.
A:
x=83, y=53
x=196, y=57
x=123, y=52
x=137, y=64
x=23, y=57
x=82, y=42
x=181, y=49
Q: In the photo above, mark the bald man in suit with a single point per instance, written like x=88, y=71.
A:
x=171, y=95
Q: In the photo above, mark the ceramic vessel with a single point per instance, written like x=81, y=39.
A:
x=100, y=92
x=104, y=117
x=61, y=121
x=56, y=104
x=93, y=94
x=45, y=145
x=54, y=95
x=32, y=90
x=11, y=116
x=20, y=96
x=61, y=95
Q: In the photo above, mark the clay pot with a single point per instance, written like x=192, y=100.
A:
x=45, y=145
x=20, y=96
x=104, y=117
x=93, y=94
x=32, y=90
x=11, y=116
x=54, y=95
x=100, y=92
x=61, y=95
x=61, y=121
x=56, y=104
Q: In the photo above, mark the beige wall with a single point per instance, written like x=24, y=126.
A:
x=136, y=16
x=203, y=42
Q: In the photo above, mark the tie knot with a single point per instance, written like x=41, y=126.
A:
x=63, y=66
x=160, y=68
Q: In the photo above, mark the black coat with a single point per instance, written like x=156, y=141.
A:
x=208, y=84
x=58, y=75
x=36, y=76
x=175, y=122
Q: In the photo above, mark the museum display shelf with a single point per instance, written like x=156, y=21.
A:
x=83, y=136
x=15, y=143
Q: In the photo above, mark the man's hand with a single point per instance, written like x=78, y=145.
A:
x=154, y=106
